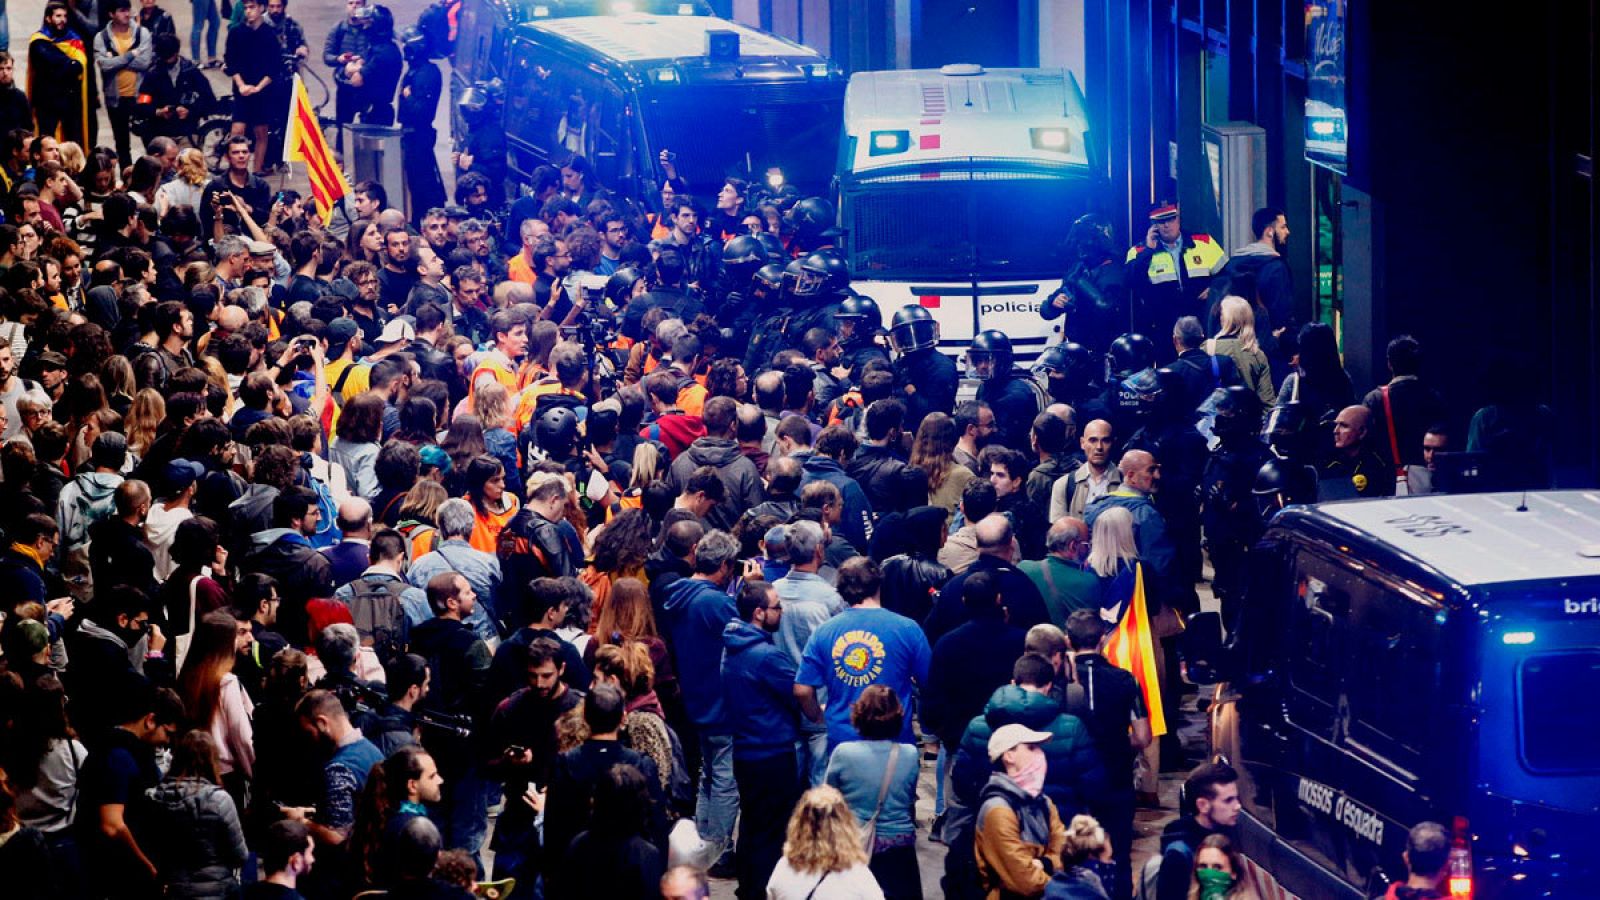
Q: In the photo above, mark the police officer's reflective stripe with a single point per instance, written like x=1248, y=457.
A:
x=1163, y=275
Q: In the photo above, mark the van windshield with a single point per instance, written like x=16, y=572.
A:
x=972, y=224
x=719, y=131
x=1559, y=736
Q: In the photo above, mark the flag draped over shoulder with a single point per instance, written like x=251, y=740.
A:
x=306, y=143
x=1132, y=647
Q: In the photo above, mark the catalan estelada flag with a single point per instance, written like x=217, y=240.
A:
x=1131, y=646
x=306, y=143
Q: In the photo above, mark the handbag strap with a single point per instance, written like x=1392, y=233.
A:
x=1394, y=444
x=812, y=893
x=883, y=789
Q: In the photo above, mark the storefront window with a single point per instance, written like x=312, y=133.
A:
x=1327, y=206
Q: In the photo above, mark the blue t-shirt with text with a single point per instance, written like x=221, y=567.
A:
x=860, y=648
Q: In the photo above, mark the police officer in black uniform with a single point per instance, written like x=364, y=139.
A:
x=860, y=322
x=1228, y=516
x=812, y=222
x=419, y=101
x=1167, y=431
x=484, y=150
x=772, y=316
x=1070, y=373
x=924, y=379
x=1130, y=376
x=819, y=290
x=742, y=257
x=1094, y=293
x=1011, y=394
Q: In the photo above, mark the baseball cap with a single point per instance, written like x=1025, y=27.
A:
x=50, y=359
x=342, y=330
x=1008, y=736
x=398, y=329
x=180, y=473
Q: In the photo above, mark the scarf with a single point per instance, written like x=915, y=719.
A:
x=27, y=550
x=1031, y=778
x=1214, y=883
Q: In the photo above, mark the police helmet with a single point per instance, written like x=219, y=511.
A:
x=1281, y=482
x=773, y=247
x=1070, y=359
x=770, y=276
x=859, y=306
x=791, y=277
x=479, y=97
x=991, y=346
x=414, y=43
x=1090, y=237
x=556, y=431
x=913, y=329
x=1238, y=413
x=619, y=287
x=823, y=273
x=811, y=217
x=1128, y=354
x=742, y=250
x=1165, y=399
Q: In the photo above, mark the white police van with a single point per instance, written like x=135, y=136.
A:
x=957, y=187
x=1423, y=658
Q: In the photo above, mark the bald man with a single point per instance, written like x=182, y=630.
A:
x=1353, y=469
x=997, y=554
x=1072, y=494
x=351, y=556
x=1063, y=582
x=1141, y=473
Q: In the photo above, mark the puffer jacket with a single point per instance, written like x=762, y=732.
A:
x=909, y=582
x=1075, y=779
x=881, y=475
x=1015, y=831
x=198, y=843
x=738, y=474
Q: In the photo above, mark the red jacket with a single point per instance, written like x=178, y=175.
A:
x=675, y=429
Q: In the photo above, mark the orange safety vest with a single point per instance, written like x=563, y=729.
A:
x=486, y=527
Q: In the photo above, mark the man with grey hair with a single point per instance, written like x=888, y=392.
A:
x=808, y=601
x=350, y=557
x=695, y=612
x=453, y=553
x=1060, y=577
x=339, y=649
x=997, y=554
x=1201, y=372
x=233, y=256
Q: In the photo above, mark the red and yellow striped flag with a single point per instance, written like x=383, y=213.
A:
x=1131, y=646
x=306, y=143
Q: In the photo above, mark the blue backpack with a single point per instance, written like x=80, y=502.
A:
x=328, y=532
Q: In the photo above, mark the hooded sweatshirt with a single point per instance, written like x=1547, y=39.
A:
x=677, y=430
x=758, y=693
x=86, y=499
x=738, y=474
x=855, y=522
x=696, y=612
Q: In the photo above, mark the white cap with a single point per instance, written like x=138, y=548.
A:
x=1008, y=736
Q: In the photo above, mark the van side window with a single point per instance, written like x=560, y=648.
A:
x=1393, y=682
x=1316, y=656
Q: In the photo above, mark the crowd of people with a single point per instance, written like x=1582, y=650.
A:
x=622, y=533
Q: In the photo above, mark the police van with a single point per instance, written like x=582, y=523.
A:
x=1423, y=658
x=618, y=89
x=957, y=187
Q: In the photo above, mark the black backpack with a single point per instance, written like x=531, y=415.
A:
x=379, y=615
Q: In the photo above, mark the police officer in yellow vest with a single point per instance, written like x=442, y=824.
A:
x=1170, y=272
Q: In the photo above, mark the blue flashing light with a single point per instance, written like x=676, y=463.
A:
x=886, y=143
x=1053, y=139
x=664, y=76
x=1517, y=638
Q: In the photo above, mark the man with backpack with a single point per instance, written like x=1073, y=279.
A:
x=383, y=605
x=1212, y=792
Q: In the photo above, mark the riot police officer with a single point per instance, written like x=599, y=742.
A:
x=484, y=150
x=1167, y=431
x=770, y=333
x=859, y=322
x=1094, y=293
x=1169, y=272
x=924, y=379
x=821, y=286
x=1130, y=376
x=742, y=257
x=1229, y=519
x=1011, y=394
x=1070, y=373
x=812, y=221
x=419, y=101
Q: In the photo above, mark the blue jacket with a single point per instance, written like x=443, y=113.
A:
x=855, y=523
x=758, y=693
x=1149, y=529
x=696, y=612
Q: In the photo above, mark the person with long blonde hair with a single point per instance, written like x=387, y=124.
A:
x=144, y=417
x=823, y=858
x=1237, y=341
x=934, y=453
x=491, y=403
x=1113, y=555
x=215, y=699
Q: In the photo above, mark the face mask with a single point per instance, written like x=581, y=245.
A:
x=1214, y=883
x=1031, y=776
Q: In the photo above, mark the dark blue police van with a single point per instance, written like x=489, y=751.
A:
x=1422, y=658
